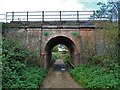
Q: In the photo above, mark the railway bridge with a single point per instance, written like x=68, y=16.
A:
x=41, y=31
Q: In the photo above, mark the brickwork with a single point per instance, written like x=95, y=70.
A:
x=42, y=40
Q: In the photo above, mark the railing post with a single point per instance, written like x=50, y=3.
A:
x=6, y=17
x=27, y=16
x=42, y=16
x=77, y=15
x=12, y=16
x=60, y=18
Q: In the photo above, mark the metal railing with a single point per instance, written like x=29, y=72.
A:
x=48, y=16
x=2, y=17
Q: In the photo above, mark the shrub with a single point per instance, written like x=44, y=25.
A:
x=16, y=72
x=54, y=57
x=94, y=77
x=55, y=49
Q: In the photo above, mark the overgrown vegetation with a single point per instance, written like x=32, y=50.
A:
x=54, y=54
x=54, y=57
x=17, y=73
x=59, y=55
x=94, y=77
x=100, y=69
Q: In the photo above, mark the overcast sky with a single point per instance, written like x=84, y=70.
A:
x=47, y=5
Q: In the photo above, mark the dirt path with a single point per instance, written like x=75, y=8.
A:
x=58, y=77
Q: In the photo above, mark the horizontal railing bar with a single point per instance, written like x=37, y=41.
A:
x=34, y=15
x=2, y=14
x=2, y=18
x=28, y=15
x=24, y=19
x=68, y=15
x=59, y=18
x=52, y=18
x=16, y=12
x=23, y=15
x=52, y=15
x=76, y=11
x=59, y=11
x=48, y=15
x=30, y=18
x=35, y=11
x=48, y=11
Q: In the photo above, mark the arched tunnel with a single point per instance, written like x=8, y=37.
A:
x=65, y=41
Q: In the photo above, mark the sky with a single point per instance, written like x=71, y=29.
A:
x=47, y=5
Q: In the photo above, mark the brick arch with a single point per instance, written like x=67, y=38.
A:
x=60, y=40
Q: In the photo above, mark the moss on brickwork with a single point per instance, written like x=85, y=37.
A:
x=45, y=33
x=75, y=34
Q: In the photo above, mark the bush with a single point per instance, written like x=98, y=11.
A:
x=30, y=77
x=55, y=49
x=95, y=77
x=16, y=72
x=54, y=57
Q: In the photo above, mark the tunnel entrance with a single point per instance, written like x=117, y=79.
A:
x=64, y=41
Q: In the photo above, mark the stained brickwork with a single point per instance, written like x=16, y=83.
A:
x=41, y=41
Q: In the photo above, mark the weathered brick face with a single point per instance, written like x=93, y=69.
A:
x=41, y=41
